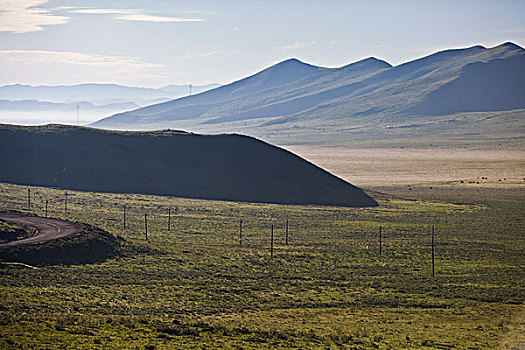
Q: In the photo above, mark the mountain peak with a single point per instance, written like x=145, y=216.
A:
x=292, y=60
x=367, y=63
x=511, y=46
x=279, y=74
x=292, y=63
x=376, y=61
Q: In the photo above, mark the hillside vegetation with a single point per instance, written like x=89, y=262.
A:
x=226, y=167
x=91, y=246
x=197, y=286
x=10, y=231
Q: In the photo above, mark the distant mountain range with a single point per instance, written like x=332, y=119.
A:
x=462, y=95
x=24, y=103
x=37, y=106
x=97, y=94
x=174, y=163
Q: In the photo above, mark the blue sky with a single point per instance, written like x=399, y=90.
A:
x=156, y=43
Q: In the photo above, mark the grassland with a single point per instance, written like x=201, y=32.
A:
x=90, y=245
x=495, y=167
x=195, y=286
x=10, y=232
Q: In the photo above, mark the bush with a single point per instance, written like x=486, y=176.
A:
x=93, y=245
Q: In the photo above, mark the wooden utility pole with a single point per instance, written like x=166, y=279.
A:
x=46, y=208
x=380, y=243
x=28, y=199
x=240, y=231
x=432, y=250
x=124, y=221
x=146, y=225
x=65, y=204
x=271, y=243
x=286, y=239
x=169, y=218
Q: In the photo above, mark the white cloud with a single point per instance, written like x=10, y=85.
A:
x=136, y=15
x=68, y=57
x=196, y=55
x=39, y=65
x=299, y=45
x=104, y=11
x=511, y=30
x=149, y=18
x=24, y=16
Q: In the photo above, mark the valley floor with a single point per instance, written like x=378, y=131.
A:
x=198, y=286
x=376, y=167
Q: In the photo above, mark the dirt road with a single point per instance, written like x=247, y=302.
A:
x=46, y=229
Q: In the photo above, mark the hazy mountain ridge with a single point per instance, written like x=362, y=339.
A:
x=496, y=85
x=95, y=93
x=395, y=90
x=24, y=104
x=272, y=85
x=360, y=97
x=34, y=105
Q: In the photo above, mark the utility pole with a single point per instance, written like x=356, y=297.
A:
x=28, y=199
x=240, y=232
x=380, y=248
x=65, y=204
x=124, y=217
x=146, y=225
x=286, y=239
x=432, y=250
x=271, y=243
x=169, y=218
x=46, y=208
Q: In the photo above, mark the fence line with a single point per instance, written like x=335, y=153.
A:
x=249, y=236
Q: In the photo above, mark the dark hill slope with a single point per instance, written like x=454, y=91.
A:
x=224, y=167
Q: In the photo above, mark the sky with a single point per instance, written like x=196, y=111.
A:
x=160, y=42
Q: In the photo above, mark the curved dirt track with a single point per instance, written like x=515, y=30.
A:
x=46, y=229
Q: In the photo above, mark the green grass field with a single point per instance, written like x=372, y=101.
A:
x=10, y=232
x=195, y=286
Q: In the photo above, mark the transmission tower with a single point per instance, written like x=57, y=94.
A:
x=78, y=114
